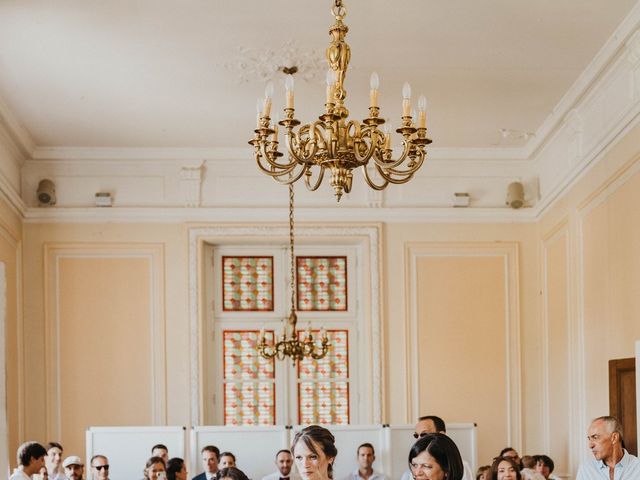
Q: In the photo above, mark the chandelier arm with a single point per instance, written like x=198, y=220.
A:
x=295, y=147
x=359, y=138
x=307, y=179
x=290, y=179
x=274, y=169
x=388, y=162
x=412, y=166
x=373, y=184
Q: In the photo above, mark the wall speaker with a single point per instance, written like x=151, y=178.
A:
x=515, y=195
x=46, y=192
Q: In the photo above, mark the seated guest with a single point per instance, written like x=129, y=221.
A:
x=544, y=465
x=227, y=459
x=210, y=458
x=512, y=453
x=433, y=424
x=365, y=455
x=231, y=473
x=284, y=462
x=99, y=467
x=30, y=460
x=484, y=473
x=161, y=451
x=505, y=468
x=528, y=471
x=154, y=466
x=73, y=467
x=435, y=457
x=53, y=461
x=42, y=475
x=176, y=469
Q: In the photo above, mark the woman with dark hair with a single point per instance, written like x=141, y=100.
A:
x=155, y=469
x=435, y=457
x=505, y=468
x=231, y=473
x=176, y=469
x=314, y=451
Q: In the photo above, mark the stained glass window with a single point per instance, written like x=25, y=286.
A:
x=247, y=283
x=249, y=380
x=322, y=283
x=323, y=385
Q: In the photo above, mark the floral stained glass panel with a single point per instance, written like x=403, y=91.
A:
x=249, y=388
x=323, y=388
x=322, y=283
x=247, y=284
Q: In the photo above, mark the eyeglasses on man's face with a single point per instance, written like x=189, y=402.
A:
x=100, y=467
x=419, y=435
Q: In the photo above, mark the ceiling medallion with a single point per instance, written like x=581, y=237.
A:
x=265, y=64
x=335, y=143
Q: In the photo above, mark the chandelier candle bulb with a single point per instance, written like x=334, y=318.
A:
x=288, y=85
x=258, y=111
x=422, y=112
x=373, y=93
x=406, y=99
x=330, y=79
x=268, y=94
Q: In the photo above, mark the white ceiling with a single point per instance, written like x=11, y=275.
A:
x=154, y=73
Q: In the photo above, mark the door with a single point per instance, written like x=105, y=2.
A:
x=622, y=399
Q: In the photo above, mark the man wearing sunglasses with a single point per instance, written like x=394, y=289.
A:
x=99, y=467
x=432, y=424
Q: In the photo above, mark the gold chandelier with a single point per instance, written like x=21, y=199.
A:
x=335, y=143
x=293, y=343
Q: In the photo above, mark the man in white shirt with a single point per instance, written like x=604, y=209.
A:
x=284, y=462
x=611, y=460
x=30, y=460
x=433, y=424
x=366, y=455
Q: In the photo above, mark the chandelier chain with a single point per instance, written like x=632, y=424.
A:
x=291, y=252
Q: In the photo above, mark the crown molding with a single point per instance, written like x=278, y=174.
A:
x=585, y=81
x=111, y=154
x=303, y=214
x=20, y=140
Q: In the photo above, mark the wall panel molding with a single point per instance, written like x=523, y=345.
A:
x=154, y=253
x=560, y=233
x=508, y=252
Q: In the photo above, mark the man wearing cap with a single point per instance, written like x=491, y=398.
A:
x=73, y=467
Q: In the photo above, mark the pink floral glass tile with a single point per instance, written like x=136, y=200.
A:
x=322, y=283
x=247, y=284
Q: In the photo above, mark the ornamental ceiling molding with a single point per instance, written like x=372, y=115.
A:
x=264, y=64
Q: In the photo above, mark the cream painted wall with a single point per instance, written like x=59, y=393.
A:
x=462, y=336
x=169, y=242
x=399, y=376
x=590, y=239
x=10, y=255
x=104, y=345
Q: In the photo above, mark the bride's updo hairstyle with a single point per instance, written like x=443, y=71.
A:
x=314, y=437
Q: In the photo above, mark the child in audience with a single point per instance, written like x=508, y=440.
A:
x=484, y=473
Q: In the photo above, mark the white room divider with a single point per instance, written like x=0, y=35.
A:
x=128, y=448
